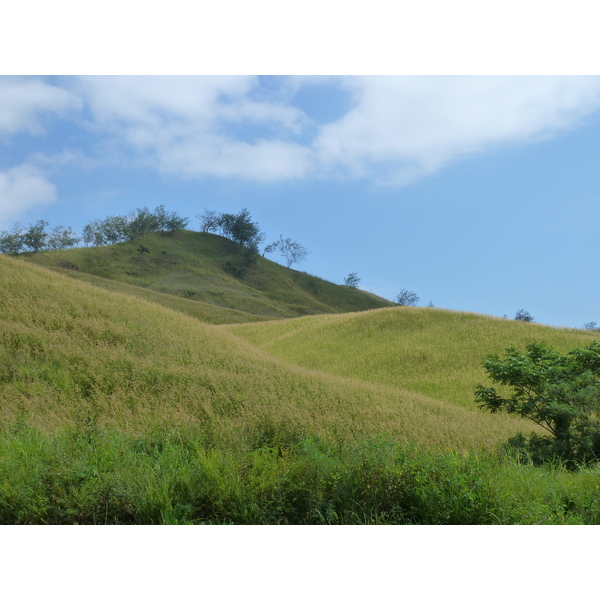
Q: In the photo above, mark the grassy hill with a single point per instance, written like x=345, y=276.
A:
x=117, y=407
x=70, y=351
x=434, y=352
x=206, y=276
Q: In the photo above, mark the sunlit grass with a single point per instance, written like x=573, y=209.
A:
x=197, y=271
x=434, y=352
x=116, y=409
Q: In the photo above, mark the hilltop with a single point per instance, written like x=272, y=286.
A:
x=206, y=276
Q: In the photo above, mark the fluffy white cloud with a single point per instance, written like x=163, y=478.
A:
x=192, y=126
x=404, y=127
x=23, y=101
x=23, y=189
x=397, y=129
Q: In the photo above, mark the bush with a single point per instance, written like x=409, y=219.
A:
x=559, y=393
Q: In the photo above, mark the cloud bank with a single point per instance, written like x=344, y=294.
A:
x=387, y=130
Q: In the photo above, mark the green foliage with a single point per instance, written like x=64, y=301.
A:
x=352, y=280
x=274, y=475
x=12, y=242
x=523, y=315
x=407, y=298
x=116, y=229
x=240, y=228
x=62, y=237
x=36, y=236
x=560, y=393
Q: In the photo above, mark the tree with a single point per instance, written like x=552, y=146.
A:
x=407, y=298
x=352, y=280
x=523, y=315
x=93, y=234
x=591, y=326
x=209, y=220
x=36, y=236
x=12, y=242
x=293, y=252
x=561, y=393
x=114, y=229
x=141, y=222
x=240, y=228
x=169, y=221
x=62, y=237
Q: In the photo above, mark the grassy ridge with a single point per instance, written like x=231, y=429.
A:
x=71, y=352
x=212, y=271
x=434, y=352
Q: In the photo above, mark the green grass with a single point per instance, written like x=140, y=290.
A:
x=118, y=408
x=88, y=476
x=195, y=273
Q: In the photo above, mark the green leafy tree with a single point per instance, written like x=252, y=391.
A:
x=169, y=221
x=141, y=222
x=407, y=298
x=523, y=315
x=561, y=393
x=36, y=236
x=352, y=280
x=292, y=252
x=93, y=234
x=12, y=242
x=62, y=237
x=240, y=229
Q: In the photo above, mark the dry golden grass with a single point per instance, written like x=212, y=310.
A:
x=434, y=352
x=70, y=352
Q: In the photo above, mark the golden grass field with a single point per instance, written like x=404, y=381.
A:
x=71, y=351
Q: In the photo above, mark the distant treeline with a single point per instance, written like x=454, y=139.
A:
x=100, y=232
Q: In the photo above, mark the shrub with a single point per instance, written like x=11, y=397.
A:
x=559, y=393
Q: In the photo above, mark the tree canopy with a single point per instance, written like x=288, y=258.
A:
x=561, y=393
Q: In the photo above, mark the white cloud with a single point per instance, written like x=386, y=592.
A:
x=405, y=127
x=396, y=130
x=23, y=189
x=23, y=101
x=193, y=126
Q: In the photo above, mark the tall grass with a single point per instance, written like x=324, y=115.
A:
x=86, y=475
x=434, y=352
x=68, y=349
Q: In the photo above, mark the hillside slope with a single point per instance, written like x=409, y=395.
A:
x=438, y=353
x=73, y=353
x=207, y=276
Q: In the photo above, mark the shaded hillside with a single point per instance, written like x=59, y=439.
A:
x=213, y=276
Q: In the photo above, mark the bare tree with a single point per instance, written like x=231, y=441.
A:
x=293, y=252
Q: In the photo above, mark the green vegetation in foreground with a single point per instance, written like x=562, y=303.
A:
x=211, y=271
x=117, y=410
x=89, y=476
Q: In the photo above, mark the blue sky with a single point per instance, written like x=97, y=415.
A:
x=479, y=193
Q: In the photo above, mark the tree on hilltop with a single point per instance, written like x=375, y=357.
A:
x=352, y=280
x=407, y=298
x=523, y=315
x=293, y=252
